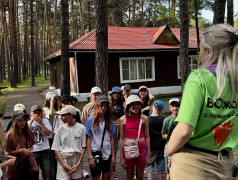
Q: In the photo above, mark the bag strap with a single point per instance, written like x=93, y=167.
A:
x=139, y=128
x=103, y=134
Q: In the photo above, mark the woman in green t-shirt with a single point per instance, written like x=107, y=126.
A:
x=202, y=143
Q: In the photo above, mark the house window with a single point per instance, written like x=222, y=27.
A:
x=193, y=64
x=137, y=69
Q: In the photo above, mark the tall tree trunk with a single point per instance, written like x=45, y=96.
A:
x=6, y=38
x=230, y=12
x=72, y=20
x=54, y=27
x=13, y=45
x=49, y=35
x=81, y=18
x=113, y=17
x=134, y=12
x=18, y=42
x=142, y=13
x=25, y=24
x=37, y=60
x=121, y=14
x=101, y=63
x=129, y=16
x=219, y=11
x=65, y=74
x=1, y=61
x=197, y=28
x=44, y=37
x=173, y=9
x=32, y=47
x=89, y=16
x=184, y=37
x=154, y=17
x=3, y=56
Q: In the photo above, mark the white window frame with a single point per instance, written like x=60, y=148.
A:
x=191, y=67
x=137, y=80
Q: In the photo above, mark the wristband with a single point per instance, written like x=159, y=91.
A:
x=168, y=155
x=90, y=157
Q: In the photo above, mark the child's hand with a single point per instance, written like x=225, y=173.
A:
x=10, y=162
x=113, y=161
x=75, y=167
x=147, y=161
x=123, y=163
x=38, y=119
x=10, y=157
x=26, y=152
x=91, y=163
x=68, y=168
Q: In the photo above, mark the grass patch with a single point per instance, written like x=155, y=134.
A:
x=80, y=105
x=41, y=90
x=23, y=84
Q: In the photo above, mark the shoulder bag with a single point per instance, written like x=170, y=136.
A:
x=131, y=149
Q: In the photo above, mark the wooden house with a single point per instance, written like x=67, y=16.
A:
x=136, y=56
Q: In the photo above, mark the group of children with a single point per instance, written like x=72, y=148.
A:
x=54, y=138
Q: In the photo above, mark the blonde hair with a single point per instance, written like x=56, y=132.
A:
x=2, y=150
x=222, y=41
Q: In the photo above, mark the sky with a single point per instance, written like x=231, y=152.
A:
x=209, y=14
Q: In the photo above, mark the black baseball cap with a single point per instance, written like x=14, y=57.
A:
x=36, y=107
x=127, y=87
x=68, y=98
x=102, y=98
x=17, y=115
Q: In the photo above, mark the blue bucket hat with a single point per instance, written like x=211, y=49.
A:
x=115, y=89
x=159, y=104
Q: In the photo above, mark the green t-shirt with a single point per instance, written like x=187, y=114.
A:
x=168, y=126
x=215, y=123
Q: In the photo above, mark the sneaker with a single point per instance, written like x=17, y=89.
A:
x=85, y=174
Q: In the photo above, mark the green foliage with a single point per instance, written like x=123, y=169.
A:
x=202, y=23
x=236, y=23
x=2, y=106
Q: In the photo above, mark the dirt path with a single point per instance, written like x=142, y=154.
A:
x=27, y=96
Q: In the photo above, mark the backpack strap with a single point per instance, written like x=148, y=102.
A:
x=139, y=128
x=103, y=134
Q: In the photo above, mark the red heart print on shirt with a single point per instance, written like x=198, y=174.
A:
x=221, y=132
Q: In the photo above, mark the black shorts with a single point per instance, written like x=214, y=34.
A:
x=101, y=165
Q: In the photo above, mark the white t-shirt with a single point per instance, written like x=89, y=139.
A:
x=96, y=137
x=41, y=138
x=0, y=172
x=69, y=139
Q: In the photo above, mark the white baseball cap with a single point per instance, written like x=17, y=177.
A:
x=19, y=107
x=174, y=100
x=95, y=89
x=48, y=95
x=67, y=109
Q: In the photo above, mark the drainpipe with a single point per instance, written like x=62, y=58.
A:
x=76, y=70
